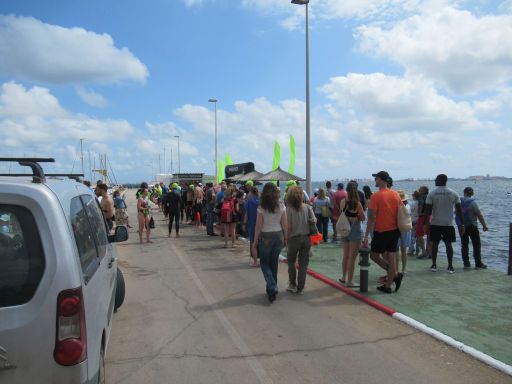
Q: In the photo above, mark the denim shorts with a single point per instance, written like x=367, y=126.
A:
x=405, y=239
x=356, y=232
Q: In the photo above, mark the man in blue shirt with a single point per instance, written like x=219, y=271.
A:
x=470, y=214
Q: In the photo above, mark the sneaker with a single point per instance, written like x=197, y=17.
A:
x=481, y=266
x=433, y=268
x=292, y=288
x=384, y=289
x=300, y=292
x=422, y=256
x=450, y=269
x=468, y=266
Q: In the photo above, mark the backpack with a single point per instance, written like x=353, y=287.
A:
x=209, y=195
x=226, y=212
x=467, y=215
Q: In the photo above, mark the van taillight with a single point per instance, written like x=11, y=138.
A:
x=70, y=338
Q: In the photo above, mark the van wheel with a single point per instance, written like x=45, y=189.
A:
x=101, y=370
x=119, y=290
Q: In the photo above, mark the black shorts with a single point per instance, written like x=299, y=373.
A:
x=442, y=232
x=385, y=241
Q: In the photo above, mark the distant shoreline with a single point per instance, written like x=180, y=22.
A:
x=471, y=178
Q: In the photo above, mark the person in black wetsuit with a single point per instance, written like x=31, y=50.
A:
x=173, y=203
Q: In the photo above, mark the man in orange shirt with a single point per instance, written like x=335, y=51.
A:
x=382, y=220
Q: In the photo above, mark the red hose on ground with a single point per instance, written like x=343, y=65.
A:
x=348, y=291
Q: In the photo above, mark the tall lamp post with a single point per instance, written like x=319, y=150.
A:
x=214, y=101
x=179, y=161
x=308, y=133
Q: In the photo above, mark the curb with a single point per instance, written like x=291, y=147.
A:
x=476, y=354
x=484, y=358
x=375, y=304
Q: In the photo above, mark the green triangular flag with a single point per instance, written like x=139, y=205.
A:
x=291, y=168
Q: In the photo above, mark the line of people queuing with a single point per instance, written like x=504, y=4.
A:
x=271, y=223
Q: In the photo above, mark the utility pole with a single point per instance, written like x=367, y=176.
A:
x=172, y=170
x=82, y=155
x=90, y=169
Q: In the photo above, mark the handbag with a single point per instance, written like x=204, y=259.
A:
x=313, y=230
x=151, y=223
x=403, y=219
x=343, y=226
x=326, y=211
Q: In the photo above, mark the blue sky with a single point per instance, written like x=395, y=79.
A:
x=412, y=87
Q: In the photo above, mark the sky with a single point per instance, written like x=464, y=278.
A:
x=413, y=87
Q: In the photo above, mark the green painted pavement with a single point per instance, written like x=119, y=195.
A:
x=472, y=306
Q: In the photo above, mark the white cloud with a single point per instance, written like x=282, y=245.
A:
x=34, y=118
x=293, y=15
x=92, y=98
x=36, y=51
x=396, y=104
x=458, y=50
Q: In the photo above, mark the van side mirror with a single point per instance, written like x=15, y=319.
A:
x=120, y=235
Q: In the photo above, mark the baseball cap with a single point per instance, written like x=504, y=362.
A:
x=291, y=183
x=341, y=186
x=383, y=175
x=174, y=185
x=249, y=183
x=469, y=191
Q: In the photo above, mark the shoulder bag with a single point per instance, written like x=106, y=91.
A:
x=343, y=226
x=403, y=219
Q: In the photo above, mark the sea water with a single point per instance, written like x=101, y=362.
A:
x=494, y=198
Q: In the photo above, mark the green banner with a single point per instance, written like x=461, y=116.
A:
x=277, y=156
x=220, y=171
x=291, y=168
x=228, y=159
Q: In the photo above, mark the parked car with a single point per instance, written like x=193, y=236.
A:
x=58, y=278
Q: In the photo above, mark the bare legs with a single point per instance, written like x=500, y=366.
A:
x=403, y=254
x=144, y=223
x=350, y=250
x=228, y=229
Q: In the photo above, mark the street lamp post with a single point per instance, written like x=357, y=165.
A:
x=308, y=133
x=179, y=161
x=214, y=101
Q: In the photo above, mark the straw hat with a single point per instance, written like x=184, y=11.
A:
x=403, y=195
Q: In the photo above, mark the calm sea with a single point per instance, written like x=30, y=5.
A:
x=495, y=200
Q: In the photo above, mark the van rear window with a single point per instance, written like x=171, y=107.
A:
x=22, y=259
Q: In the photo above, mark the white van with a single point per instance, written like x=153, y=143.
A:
x=58, y=278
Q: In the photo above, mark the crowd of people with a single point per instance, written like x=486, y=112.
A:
x=272, y=222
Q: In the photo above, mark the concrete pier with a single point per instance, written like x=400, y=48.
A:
x=196, y=312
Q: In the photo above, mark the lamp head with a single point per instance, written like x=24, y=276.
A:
x=212, y=100
x=300, y=2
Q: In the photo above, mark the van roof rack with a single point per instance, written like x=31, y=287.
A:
x=38, y=175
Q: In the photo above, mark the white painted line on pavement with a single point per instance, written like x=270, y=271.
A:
x=230, y=329
x=454, y=343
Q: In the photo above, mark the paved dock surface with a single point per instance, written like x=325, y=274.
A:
x=195, y=312
x=472, y=306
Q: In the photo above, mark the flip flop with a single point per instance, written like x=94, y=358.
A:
x=342, y=281
x=352, y=285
